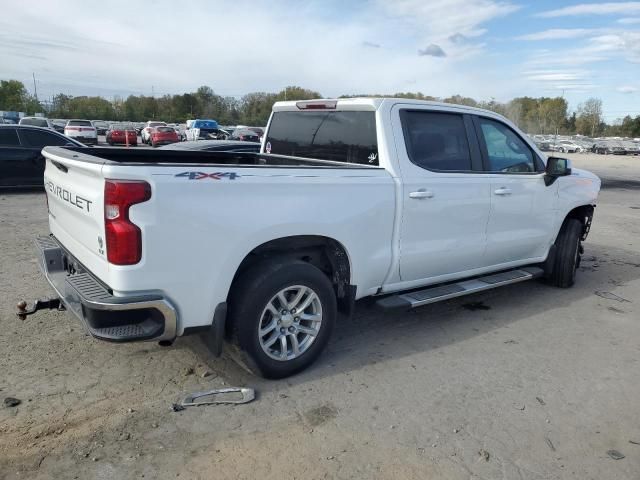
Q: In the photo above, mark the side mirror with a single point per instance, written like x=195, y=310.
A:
x=556, y=167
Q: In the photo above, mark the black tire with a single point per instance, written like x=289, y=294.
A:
x=250, y=295
x=567, y=254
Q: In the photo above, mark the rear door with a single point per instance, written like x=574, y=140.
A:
x=445, y=198
x=523, y=208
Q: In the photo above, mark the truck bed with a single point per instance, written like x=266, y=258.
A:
x=134, y=156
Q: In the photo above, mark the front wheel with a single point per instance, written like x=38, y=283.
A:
x=282, y=315
x=567, y=254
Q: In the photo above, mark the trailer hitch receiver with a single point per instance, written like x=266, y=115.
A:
x=42, y=304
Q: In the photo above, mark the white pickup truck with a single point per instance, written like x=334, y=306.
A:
x=410, y=201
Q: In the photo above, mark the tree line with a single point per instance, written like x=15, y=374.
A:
x=535, y=115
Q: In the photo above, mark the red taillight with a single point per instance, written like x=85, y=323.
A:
x=124, y=238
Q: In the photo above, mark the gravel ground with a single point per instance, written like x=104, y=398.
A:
x=534, y=382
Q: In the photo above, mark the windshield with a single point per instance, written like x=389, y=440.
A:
x=79, y=123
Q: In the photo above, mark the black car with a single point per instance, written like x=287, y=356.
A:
x=245, y=135
x=21, y=160
x=215, y=146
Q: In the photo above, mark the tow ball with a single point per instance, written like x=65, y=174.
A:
x=43, y=304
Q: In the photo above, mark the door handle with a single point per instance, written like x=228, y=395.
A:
x=502, y=191
x=421, y=194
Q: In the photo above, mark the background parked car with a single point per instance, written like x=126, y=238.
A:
x=21, y=161
x=204, y=130
x=120, y=133
x=59, y=124
x=101, y=127
x=245, y=135
x=145, y=134
x=163, y=136
x=82, y=131
x=566, y=146
x=37, y=122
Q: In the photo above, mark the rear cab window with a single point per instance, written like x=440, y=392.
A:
x=336, y=135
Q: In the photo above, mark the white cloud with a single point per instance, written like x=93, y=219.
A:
x=606, y=8
x=444, y=18
x=629, y=21
x=626, y=89
x=558, y=34
x=555, y=76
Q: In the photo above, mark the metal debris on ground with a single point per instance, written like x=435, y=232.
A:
x=634, y=442
x=611, y=296
x=176, y=407
x=615, y=454
x=550, y=443
x=541, y=401
x=11, y=402
x=246, y=396
x=484, y=454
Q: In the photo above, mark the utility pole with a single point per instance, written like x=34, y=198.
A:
x=35, y=88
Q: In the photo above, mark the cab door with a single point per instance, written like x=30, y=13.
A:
x=445, y=197
x=523, y=209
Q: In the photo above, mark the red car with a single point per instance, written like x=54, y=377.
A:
x=163, y=136
x=122, y=133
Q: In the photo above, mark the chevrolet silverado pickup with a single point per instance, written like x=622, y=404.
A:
x=409, y=201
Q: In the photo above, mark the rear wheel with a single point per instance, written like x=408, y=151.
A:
x=567, y=254
x=282, y=315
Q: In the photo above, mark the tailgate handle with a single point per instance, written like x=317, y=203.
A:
x=60, y=166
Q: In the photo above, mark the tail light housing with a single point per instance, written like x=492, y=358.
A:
x=123, y=237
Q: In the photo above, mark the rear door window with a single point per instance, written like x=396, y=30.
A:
x=41, y=138
x=9, y=137
x=436, y=140
x=340, y=136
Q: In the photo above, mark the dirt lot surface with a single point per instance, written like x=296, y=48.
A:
x=533, y=382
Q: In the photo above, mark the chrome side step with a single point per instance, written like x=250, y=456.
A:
x=417, y=298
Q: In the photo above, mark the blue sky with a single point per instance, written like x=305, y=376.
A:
x=478, y=48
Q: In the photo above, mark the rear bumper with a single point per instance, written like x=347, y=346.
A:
x=148, y=316
x=85, y=140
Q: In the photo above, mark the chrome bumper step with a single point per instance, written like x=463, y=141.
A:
x=438, y=293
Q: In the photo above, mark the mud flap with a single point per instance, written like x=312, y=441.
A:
x=215, y=335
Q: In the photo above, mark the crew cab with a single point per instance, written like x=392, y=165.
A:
x=408, y=201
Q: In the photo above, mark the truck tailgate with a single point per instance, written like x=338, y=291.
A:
x=75, y=195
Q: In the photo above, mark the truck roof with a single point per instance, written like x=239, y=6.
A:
x=366, y=103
